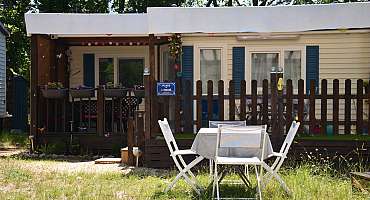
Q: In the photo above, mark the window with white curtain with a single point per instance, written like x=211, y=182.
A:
x=262, y=64
x=210, y=68
x=292, y=66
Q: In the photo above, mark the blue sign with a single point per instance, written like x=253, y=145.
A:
x=166, y=89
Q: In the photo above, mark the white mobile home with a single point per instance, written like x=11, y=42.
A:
x=3, y=34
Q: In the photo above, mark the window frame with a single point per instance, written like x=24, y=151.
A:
x=197, y=69
x=274, y=49
x=116, y=58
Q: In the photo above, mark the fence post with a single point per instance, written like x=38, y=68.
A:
x=140, y=133
x=178, y=106
x=347, y=107
x=265, y=101
x=199, y=103
x=301, y=103
x=335, y=106
x=289, y=104
x=100, y=111
x=274, y=108
x=188, y=104
x=231, y=100
x=324, y=105
x=254, y=101
x=242, y=100
x=130, y=141
x=209, y=100
x=221, y=103
x=312, y=106
x=360, y=107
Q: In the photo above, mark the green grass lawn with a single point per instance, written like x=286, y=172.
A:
x=12, y=140
x=20, y=182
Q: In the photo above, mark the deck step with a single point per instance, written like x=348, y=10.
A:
x=108, y=160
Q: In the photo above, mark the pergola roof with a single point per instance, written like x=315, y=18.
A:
x=204, y=20
x=73, y=24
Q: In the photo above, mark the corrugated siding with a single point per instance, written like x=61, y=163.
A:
x=2, y=75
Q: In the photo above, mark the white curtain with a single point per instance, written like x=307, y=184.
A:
x=262, y=64
x=292, y=66
x=210, y=68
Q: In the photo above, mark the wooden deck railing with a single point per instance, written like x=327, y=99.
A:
x=87, y=111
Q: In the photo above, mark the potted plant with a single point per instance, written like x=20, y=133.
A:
x=82, y=92
x=54, y=90
x=111, y=90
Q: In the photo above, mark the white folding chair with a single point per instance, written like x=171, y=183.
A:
x=176, y=155
x=239, y=137
x=214, y=124
x=280, y=157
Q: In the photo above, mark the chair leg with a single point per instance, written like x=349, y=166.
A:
x=246, y=171
x=214, y=184
x=278, y=178
x=217, y=184
x=258, y=183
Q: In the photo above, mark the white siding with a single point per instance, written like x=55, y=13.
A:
x=2, y=75
x=343, y=55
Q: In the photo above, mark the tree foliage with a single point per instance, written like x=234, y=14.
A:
x=18, y=44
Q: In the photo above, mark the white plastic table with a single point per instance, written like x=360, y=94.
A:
x=205, y=145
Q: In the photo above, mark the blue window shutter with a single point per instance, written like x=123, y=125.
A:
x=312, y=66
x=89, y=69
x=238, y=67
x=187, y=62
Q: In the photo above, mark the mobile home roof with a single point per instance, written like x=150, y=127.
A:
x=205, y=20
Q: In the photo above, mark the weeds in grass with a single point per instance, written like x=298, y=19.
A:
x=314, y=179
x=11, y=140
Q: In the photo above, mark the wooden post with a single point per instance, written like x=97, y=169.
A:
x=265, y=101
x=34, y=87
x=243, y=105
x=153, y=103
x=335, y=106
x=178, y=106
x=188, y=114
x=147, y=102
x=100, y=126
x=199, y=103
x=312, y=106
x=254, y=102
x=130, y=141
x=289, y=104
x=301, y=103
x=231, y=100
x=274, y=102
x=324, y=105
x=209, y=100
x=140, y=133
x=221, y=97
x=360, y=107
x=347, y=107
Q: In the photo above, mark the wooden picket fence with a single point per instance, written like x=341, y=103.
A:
x=273, y=107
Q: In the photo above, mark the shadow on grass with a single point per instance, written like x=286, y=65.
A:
x=226, y=191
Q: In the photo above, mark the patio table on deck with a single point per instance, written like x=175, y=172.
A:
x=205, y=145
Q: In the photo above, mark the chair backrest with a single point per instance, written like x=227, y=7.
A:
x=214, y=124
x=289, y=138
x=168, y=136
x=239, y=137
